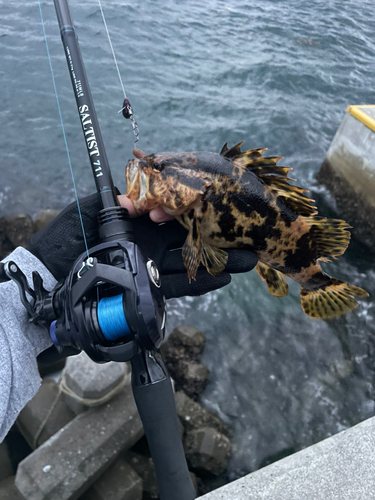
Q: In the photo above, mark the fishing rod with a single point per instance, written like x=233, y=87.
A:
x=110, y=305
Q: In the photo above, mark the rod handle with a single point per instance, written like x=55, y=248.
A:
x=157, y=409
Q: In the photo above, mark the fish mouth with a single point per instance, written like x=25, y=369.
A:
x=137, y=187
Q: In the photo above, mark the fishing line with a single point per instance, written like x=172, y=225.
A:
x=63, y=128
x=127, y=105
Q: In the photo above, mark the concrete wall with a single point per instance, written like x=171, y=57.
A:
x=341, y=467
x=349, y=171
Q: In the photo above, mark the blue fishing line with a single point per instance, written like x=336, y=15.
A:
x=111, y=318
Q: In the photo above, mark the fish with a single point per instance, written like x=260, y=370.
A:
x=243, y=199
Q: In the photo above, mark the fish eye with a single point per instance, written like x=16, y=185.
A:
x=158, y=166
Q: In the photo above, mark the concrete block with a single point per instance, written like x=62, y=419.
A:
x=193, y=416
x=70, y=461
x=35, y=412
x=6, y=468
x=8, y=490
x=348, y=171
x=119, y=482
x=207, y=451
x=90, y=380
x=145, y=468
x=338, y=468
x=44, y=217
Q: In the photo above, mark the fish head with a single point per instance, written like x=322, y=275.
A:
x=170, y=180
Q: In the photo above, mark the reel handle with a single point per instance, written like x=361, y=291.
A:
x=153, y=394
x=3, y=275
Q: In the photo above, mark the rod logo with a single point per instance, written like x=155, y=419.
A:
x=91, y=142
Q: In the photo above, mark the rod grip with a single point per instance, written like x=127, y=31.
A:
x=157, y=409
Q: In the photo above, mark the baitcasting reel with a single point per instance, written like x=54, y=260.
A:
x=110, y=305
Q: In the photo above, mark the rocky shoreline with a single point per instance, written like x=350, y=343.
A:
x=17, y=229
x=80, y=437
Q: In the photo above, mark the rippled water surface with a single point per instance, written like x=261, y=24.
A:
x=275, y=74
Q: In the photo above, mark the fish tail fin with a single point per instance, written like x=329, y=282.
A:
x=333, y=299
x=330, y=237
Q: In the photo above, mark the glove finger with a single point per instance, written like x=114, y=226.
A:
x=172, y=262
x=240, y=261
x=177, y=285
x=60, y=243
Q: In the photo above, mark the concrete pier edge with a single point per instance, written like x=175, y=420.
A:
x=341, y=467
x=348, y=171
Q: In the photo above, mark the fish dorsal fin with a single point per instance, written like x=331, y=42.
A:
x=233, y=152
x=276, y=177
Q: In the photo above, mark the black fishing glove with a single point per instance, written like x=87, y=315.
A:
x=59, y=244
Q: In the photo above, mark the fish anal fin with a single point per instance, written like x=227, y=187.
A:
x=332, y=300
x=192, y=249
x=214, y=259
x=276, y=282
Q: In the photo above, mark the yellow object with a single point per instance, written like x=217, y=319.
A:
x=362, y=116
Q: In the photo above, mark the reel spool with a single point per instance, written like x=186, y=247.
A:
x=110, y=311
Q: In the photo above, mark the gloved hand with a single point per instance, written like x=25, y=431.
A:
x=59, y=244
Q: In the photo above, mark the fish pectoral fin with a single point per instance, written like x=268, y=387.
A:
x=276, y=282
x=193, y=249
x=214, y=259
x=334, y=299
x=183, y=220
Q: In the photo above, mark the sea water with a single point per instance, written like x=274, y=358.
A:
x=276, y=74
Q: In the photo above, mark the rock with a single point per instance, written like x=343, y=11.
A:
x=90, y=380
x=144, y=467
x=6, y=245
x=194, y=480
x=68, y=463
x=181, y=353
x=44, y=217
x=19, y=228
x=34, y=413
x=207, y=451
x=185, y=343
x=194, y=416
x=193, y=379
x=6, y=468
x=8, y=490
x=119, y=482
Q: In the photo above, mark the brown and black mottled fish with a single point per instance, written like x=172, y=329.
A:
x=244, y=200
